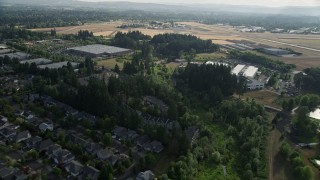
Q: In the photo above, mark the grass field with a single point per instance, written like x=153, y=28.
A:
x=264, y=97
x=209, y=56
x=110, y=63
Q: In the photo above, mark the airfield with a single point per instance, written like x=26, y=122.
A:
x=308, y=45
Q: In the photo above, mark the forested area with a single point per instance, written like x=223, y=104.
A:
x=171, y=45
x=211, y=82
x=262, y=61
x=310, y=81
x=132, y=39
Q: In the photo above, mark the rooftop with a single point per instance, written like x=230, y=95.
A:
x=99, y=49
x=38, y=61
x=236, y=70
x=58, y=65
x=250, y=71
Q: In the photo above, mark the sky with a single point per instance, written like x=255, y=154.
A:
x=272, y=3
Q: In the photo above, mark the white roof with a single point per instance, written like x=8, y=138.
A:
x=216, y=63
x=250, y=71
x=315, y=114
x=236, y=70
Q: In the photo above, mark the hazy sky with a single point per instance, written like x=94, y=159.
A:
x=237, y=2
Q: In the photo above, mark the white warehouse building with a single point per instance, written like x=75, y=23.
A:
x=250, y=72
x=236, y=70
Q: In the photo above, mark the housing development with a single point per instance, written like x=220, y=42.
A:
x=142, y=91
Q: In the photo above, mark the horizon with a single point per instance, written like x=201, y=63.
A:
x=270, y=3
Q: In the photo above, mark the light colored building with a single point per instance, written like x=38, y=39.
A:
x=250, y=72
x=216, y=63
x=236, y=70
x=99, y=50
x=253, y=84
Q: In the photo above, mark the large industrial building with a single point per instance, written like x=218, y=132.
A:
x=250, y=71
x=236, y=70
x=38, y=61
x=275, y=51
x=58, y=65
x=17, y=55
x=99, y=50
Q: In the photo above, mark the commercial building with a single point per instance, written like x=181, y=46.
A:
x=253, y=84
x=275, y=51
x=250, y=71
x=58, y=65
x=99, y=50
x=236, y=70
x=17, y=55
x=216, y=63
x=38, y=61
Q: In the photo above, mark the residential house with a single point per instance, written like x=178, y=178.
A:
x=33, y=142
x=45, y=145
x=142, y=140
x=147, y=175
x=22, y=136
x=132, y=135
x=63, y=157
x=90, y=172
x=104, y=154
x=8, y=132
x=93, y=148
x=74, y=168
x=120, y=132
x=46, y=127
x=53, y=150
x=154, y=146
x=77, y=138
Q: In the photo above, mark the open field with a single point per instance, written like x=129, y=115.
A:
x=110, y=63
x=309, y=45
x=264, y=97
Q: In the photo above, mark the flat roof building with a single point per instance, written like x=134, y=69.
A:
x=216, y=63
x=99, y=50
x=251, y=71
x=253, y=84
x=276, y=51
x=17, y=55
x=58, y=65
x=38, y=61
x=236, y=70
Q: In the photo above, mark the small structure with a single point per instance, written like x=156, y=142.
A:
x=46, y=127
x=147, y=175
x=99, y=50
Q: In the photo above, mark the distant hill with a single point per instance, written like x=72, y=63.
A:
x=121, y=5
